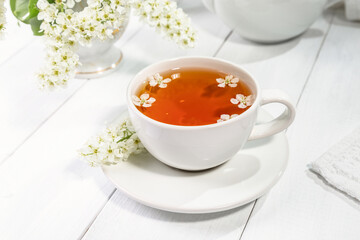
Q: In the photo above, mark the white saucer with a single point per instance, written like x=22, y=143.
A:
x=246, y=177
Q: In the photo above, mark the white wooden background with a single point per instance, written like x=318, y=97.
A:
x=47, y=193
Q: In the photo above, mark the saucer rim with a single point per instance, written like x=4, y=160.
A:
x=222, y=208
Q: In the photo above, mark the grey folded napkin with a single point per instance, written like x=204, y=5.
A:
x=340, y=166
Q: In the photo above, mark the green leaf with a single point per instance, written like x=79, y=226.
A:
x=35, y=26
x=20, y=9
x=33, y=10
x=26, y=11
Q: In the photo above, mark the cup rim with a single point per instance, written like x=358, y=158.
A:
x=180, y=127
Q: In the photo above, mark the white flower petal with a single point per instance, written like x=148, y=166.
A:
x=229, y=77
x=146, y=105
x=249, y=100
x=158, y=77
x=240, y=97
x=220, y=80
x=234, y=101
x=232, y=85
x=136, y=100
x=151, y=100
x=242, y=105
x=144, y=96
x=162, y=85
x=152, y=82
x=235, y=80
x=70, y=3
x=234, y=115
x=220, y=120
x=222, y=85
x=167, y=80
x=42, y=4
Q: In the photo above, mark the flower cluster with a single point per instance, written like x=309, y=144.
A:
x=144, y=101
x=225, y=117
x=64, y=28
x=169, y=20
x=242, y=101
x=61, y=62
x=2, y=18
x=229, y=80
x=114, y=145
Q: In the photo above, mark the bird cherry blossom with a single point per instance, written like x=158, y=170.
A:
x=2, y=18
x=242, y=101
x=229, y=80
x=65, y=29
x=144, y=101
x=157, y=79
x=166, y=18
x=225, y=117
x=114, y=145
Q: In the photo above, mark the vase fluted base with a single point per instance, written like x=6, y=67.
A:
x=100, y=65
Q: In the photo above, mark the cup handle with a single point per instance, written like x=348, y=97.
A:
x=278, y=124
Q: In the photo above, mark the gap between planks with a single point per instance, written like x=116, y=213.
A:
x=97, y=214
x=299, y=98
x=317, y=56
x=223, y=43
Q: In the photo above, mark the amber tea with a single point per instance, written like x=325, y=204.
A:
x=193, y=96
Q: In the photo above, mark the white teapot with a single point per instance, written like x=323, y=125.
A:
x=267, y=20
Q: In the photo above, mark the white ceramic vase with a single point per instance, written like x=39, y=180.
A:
x=102, y=57
x=267, y=21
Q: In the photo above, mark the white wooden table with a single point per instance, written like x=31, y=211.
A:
x=47, y=193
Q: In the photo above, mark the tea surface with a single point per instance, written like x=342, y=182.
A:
x=194, y=96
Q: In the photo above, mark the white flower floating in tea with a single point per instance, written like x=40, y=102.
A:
x=144, y=101
x=114, y=145
x=225, y=117
x=229, y=80
x=242, y=101
x=157, y=79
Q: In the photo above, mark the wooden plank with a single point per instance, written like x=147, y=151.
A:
x=45, y=191
x=23, y=106
x=284, y=66
x=122, y=218
x=301, y=205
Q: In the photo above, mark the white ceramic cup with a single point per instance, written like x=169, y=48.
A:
x=206, y=146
